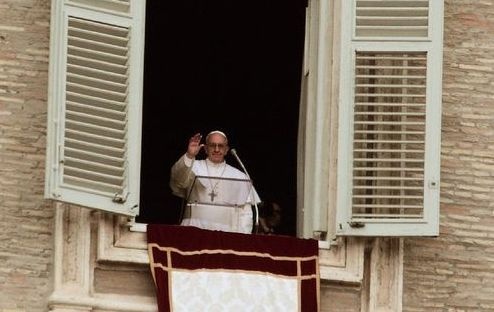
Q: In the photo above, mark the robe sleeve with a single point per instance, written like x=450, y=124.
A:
x=182, y=176
x=256, y=198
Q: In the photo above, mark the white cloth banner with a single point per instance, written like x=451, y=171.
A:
x=203, y=270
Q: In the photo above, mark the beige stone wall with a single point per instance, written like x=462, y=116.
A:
x=455, y=272
x=26, y=219
x=340, y=298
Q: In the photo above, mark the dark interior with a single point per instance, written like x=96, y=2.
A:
x=228, y=65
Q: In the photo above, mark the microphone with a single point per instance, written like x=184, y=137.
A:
x=256, y=217
x=234, y=153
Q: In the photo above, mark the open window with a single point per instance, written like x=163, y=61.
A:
x=370, y=143
x=227, y=65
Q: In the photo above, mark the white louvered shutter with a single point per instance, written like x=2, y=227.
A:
x=95, y=104
x=389, y=118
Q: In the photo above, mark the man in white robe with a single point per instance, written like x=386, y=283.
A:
x=219, y=196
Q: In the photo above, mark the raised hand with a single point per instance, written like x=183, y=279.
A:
x=194, y=145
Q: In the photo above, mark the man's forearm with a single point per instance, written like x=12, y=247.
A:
x=181, y=175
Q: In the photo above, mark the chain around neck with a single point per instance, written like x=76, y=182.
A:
x=214, y=187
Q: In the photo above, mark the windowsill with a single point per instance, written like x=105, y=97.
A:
x=137, y=227
x=323, y=244
x=121, y=240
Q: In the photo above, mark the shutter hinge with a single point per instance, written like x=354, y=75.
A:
x=355, y=224
x=119, y=199
x=319, y=235
x=433, y=184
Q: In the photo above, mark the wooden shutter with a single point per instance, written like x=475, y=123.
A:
x=389, y=118
x=114, y=6
x=95, y=103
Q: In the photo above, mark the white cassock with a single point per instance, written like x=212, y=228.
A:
x=219, y=198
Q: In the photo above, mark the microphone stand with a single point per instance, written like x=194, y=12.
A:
x=256, y=209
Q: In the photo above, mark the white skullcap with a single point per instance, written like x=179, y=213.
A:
x=217, y=132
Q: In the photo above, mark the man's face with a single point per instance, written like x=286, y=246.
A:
x=216, y=148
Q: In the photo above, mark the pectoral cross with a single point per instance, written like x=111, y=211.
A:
x=213, y=195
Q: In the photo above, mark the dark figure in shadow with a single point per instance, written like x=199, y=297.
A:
x=269, y=217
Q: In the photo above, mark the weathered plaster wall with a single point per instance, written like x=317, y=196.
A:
x=455, y=272
x=26, y=219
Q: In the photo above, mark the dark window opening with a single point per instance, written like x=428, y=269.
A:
x=228, y=65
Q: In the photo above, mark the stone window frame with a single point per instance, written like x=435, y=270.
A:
x=341, y=257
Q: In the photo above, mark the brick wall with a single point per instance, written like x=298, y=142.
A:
x=26, y=219
x=455, y=272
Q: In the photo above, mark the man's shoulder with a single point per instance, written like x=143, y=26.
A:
x=199, y=164
x=235, y=173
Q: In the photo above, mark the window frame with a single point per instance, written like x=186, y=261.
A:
x=324, y=68
x=342, y=258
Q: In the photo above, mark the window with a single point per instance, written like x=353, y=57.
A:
x=370, y=113
x=231, y=65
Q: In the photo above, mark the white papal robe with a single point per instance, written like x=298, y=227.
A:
x=231, y=201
